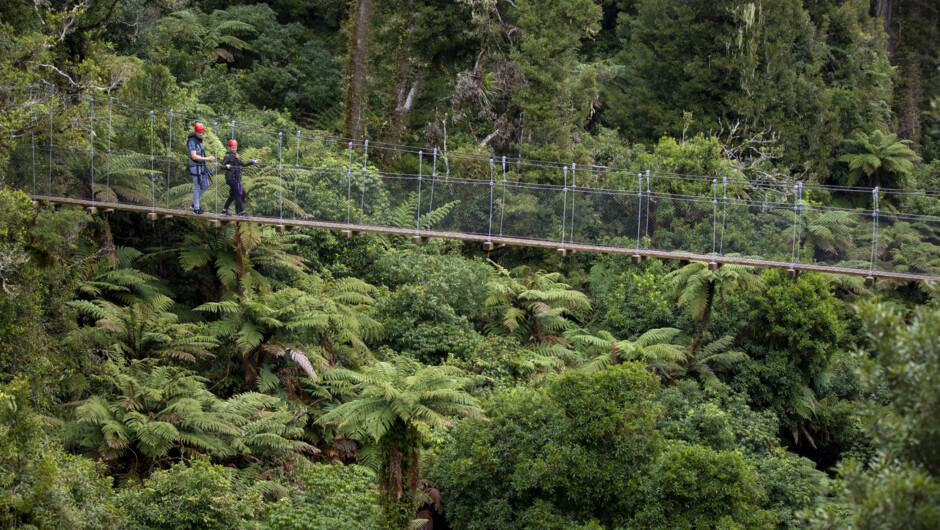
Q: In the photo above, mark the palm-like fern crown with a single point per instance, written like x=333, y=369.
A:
x=657, y=348
x=401, y=392
x=261, y=246
x=146, y=329
x=405, y=215
x=150, y=410
x=698, y=285
x=535, y=305
x=878, y=154
x=305, y=322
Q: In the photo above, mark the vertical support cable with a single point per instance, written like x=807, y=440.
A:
x=796, y=207
x=297, y=157
x=280, y=179
x=293, y=214
x=91, y=144
x=639, y=210
x=714, y=217
x=32, y=143
x=874, y=232
x=169, y=159
x=108, y=174
x=502, y=209
x=799, y=219
x=51, y=116
x=153, y=185
x=433, y=180
x=215, y=179
x=564, y=207
x=365, y=163
x=349, y=186
x=649, y=195
x=724, y=215
x=489, y=233
x=574, y=189
x=418, y=207
x=233, y=131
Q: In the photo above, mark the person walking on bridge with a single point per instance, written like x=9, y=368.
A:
x=233, y=177
x=197, y=164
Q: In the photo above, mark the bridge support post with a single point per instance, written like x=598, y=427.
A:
x=793, y=274
x=713, y=266
x=636, y=259
x=215, y=223
x=417, y=240
x=349, y=233
x=488, y=245
x=869, y=281
x=280, y=228
x=562, y=252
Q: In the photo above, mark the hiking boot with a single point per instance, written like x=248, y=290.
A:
x=198, y=211
x=224, y=213
x=244, y=214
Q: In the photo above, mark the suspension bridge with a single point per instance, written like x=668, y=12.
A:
x=107, y=155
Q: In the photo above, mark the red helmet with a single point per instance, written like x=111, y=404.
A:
x=232, y=142
x=199, y=127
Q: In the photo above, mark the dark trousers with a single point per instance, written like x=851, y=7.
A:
x=233, y=195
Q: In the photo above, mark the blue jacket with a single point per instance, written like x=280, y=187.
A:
x=194, y=143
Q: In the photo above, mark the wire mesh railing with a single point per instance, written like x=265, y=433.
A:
x=104, y=151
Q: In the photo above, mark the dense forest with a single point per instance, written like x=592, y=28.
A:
x=175, y=375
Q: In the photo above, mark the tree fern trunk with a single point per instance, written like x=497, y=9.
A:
x=239, y=257
x=706, y=321
x=394, y=474
x=414, y=471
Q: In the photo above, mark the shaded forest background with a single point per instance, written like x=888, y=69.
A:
x=166, y=375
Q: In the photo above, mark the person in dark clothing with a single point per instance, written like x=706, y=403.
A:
x=233, y=165
x=197, y=164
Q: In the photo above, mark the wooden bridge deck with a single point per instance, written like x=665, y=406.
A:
x=491, y=241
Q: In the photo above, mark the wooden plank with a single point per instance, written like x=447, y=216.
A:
x=349, y=231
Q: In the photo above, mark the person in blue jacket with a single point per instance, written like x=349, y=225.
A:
x=197, y=164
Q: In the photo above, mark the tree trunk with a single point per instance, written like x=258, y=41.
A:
x=358, y=68
x=394, y=473
x=109, y=241
x=239, y=258
x=883, y=9
x=414, y=471
x=406, y=85
x=706, y=321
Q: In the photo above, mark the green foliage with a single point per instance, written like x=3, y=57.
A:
x=631, y=301
x=143, y=330
x=150, y=415
x=882, y=158
x=795, y=328
x=656, y=348
x=534, y=306
x=421, y=325
x=446, y=276
x=191, y=495
x=576, y=448
x=693, y=487
x=395, y=407
x=328, y=496
x=42, y=486
x=319, y=319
